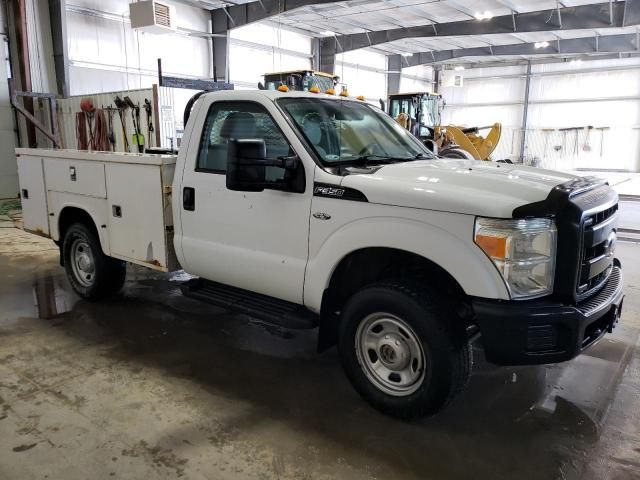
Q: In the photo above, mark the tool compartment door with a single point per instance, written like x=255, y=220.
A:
x=137, y=227
x=81, y=177
x=33, y=195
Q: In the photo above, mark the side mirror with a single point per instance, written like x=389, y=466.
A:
x=246, y=162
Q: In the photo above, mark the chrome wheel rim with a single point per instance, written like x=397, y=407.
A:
x=82, y=262
x=390, y=354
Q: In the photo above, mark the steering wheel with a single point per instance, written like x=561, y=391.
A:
x=370, y=149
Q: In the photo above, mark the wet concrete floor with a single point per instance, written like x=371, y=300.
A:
x=154, y=385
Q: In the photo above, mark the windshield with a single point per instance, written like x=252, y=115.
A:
x=350, y=132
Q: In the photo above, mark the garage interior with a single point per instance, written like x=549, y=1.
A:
x=154, y=384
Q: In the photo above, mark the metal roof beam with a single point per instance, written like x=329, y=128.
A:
x=624, y=13
x=625, y=43
x=242, y=14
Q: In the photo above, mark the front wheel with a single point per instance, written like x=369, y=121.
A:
x=91, y=273
x=403, y=350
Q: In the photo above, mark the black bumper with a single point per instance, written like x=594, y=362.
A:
x=543, y=331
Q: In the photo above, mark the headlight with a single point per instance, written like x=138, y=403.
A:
x=524, y=251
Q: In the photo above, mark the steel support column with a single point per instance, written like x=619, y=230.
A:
x=20, y=15
x=220, y=45
x=525, y=112
x=58, y=19
x=437, y=71
x=327, y=54
x=394, y=72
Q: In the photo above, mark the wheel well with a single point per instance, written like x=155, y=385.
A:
x=69, y=216
x=370, y=265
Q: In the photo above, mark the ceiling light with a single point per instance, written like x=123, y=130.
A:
x=576, y=61
x=486, y=15
x=406, y=54
x=458, y=68
x=328, y=33
x=544, y=44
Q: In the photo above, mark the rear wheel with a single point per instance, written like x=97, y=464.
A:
x=91, y=273
x=403, y=350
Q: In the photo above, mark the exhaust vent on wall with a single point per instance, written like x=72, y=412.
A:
x=153, y=17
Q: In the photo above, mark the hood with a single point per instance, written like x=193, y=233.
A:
x=460, y=186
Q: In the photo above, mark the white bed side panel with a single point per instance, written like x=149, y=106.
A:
x=34, y=197
x=136, y=226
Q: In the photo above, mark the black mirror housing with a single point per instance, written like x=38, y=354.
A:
x=246, y=165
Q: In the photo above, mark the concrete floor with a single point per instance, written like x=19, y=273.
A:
x=154, y=385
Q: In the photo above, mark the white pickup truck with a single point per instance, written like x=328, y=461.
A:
x=314, y=211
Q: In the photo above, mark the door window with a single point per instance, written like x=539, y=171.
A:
x=239, y=120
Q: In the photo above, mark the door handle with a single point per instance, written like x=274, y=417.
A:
x=189, y=198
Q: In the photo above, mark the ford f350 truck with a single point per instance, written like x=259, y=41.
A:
x=313, y=211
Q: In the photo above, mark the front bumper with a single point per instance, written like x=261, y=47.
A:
x=541, y=331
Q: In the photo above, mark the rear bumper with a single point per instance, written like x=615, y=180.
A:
x=543, y=331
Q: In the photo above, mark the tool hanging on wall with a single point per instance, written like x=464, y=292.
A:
x=100, y=142
x=137, y=138
x=81, y=131
x=86, y=106
x=586, y=147
x=122, y=107
x=150, y=129
x=110, y=135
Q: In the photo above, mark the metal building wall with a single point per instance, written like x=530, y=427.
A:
x=603, y=94
x=8, y=167
x=106, y=54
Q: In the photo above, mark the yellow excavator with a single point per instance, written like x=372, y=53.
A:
x=420, y=113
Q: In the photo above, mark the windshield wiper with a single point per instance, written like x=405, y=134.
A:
x=371, y=159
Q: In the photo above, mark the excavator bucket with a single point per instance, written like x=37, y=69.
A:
x=457, y=136
x=489, y=143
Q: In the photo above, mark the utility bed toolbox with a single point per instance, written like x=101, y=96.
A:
x=128, y=197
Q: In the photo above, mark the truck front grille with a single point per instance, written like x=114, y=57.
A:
x=596, y=257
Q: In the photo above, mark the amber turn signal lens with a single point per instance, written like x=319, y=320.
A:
x=495, y=247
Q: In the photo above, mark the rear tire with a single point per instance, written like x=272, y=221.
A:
x=91, y=273
x=403, y=349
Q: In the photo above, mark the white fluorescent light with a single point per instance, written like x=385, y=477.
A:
x=406, y=54
x=486, y=15
x=544, y=44
x=458, y=68
x=328, y=33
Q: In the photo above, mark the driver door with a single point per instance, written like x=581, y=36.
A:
x=252, y=240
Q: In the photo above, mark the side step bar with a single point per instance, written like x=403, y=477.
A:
x=271, y=310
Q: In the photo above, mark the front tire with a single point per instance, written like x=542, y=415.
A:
x=403, y=349
x=91, y=273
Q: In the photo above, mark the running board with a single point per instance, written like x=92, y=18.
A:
x=269, y=309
